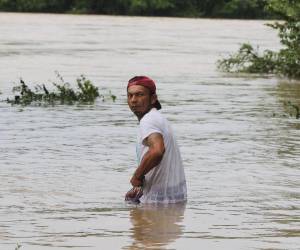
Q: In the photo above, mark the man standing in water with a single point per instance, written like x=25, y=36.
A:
x=160, y=174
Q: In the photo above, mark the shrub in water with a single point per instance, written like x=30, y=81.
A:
x=63, y=93
x=285, y=62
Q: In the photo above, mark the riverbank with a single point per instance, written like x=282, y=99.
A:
x=246, y=9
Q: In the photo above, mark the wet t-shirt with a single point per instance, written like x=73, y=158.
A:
x=165, y=183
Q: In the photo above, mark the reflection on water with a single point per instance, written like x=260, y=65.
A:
x=154, y=227
x=289, y=90
x=289, y=94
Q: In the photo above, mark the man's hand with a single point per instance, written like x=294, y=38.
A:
x=135, y=181
x=134, y=194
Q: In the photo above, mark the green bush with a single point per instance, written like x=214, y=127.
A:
x=248, y=60
x=63, y=93
x=285, y=62
x=243, y=9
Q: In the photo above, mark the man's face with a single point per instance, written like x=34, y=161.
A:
x=140, y=100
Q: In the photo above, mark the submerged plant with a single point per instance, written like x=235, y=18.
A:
x=18, y=247
x=87, y=90
x=63, y=93
x=248, y=60
x=292, y=109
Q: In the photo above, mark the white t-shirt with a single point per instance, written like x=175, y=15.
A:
x=165, y=183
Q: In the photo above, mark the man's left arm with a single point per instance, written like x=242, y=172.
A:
x=151, y=159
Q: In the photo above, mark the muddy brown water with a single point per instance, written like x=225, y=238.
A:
x=65, y=169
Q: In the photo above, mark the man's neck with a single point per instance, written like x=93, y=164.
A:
x=140, y=117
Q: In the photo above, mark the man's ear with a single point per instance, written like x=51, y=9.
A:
x=153, y=99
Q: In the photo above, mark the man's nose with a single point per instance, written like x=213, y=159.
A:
x=133, y=98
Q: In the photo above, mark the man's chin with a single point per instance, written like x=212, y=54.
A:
x=139, y=114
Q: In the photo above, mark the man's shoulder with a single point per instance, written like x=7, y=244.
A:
x=152, y=115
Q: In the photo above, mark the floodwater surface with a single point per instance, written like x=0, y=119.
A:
x=65, y=169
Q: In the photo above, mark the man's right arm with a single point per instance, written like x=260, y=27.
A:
x=151, y=159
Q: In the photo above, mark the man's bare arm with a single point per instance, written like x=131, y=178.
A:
x=151, y=159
